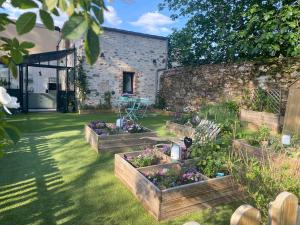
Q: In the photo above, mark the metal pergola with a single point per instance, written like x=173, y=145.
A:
x=43, y=60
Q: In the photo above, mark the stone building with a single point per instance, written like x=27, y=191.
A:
x=130, y=63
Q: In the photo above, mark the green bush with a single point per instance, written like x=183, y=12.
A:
x=258, y=100
x=262, y=182
x=226, y=114
x=160, y=101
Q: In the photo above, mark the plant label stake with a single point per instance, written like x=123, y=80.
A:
x=176, y=152
x=286, y=139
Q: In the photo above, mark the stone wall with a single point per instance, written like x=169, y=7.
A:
x=191, y=86
x=123, y=51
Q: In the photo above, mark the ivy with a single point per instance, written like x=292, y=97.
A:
x=81, y=81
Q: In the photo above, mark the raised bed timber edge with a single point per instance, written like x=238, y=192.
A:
x=270, y=120
x=117, y=142
x=179, y=129
x=172, y=202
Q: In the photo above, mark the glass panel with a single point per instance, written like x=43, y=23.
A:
x=128, y=83
x=4, y=76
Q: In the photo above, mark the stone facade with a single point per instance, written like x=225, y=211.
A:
x=190, y=86
x=123, y=51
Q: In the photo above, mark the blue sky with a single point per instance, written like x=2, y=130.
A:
x=141, y=16
x=134, y=15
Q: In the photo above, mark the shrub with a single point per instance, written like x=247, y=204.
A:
x=258, y=100
x=160, y=102
x=263, y=181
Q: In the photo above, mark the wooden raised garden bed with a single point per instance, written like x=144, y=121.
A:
x=117, y=142
x=179, y=129
x=270, y=120
x=243, y=148
x=175, y=201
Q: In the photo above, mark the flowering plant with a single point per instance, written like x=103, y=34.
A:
x=167, y=178
x=131, y=127
x=8, y=134
x=146, y=158
x=104, y=129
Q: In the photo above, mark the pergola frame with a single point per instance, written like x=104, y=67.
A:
x=43, y=60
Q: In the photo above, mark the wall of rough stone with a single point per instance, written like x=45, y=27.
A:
x=125, y=52
x=191, y=86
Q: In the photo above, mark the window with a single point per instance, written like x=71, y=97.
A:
x=128, y=82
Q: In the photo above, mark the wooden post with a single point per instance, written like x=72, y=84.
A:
x=298, y=218
x=246, y=215
x=284, y=209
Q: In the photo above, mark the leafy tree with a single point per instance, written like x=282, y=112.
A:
x=226, y=30
x=84, y=19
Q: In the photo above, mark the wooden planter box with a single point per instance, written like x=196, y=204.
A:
x=270, y=120
x=242, y=148
x=179, y=129
x=117, y=142
x=172, y=202
x=95, y=111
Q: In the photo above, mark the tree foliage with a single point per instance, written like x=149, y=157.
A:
x=226, y=30
x=84, y=20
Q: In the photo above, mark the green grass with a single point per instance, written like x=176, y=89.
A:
x=53, y=177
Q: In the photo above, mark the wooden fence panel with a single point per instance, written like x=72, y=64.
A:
x=283, y=211
x=292, y=114
x=246, y=215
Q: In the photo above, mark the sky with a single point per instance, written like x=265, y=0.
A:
x=133, y=15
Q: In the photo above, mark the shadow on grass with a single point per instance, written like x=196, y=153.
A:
x=54, y=177
x=30, y=184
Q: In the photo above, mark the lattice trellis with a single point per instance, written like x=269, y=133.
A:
x=267, y=100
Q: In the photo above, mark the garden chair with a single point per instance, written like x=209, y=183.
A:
x=145, y=103
x=123, y=102
x=132, y=113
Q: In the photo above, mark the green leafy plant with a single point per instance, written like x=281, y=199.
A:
x=160, y=102
x=263, y=181
x=81, y=82
x=212, y=156
x=107, y=99
x=258, y=100
x=84, y=20
x=260, y=137
x=8, y=133
x=225, y=114
x=143, y=160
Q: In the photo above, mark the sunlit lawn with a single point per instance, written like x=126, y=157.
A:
x=53, y=177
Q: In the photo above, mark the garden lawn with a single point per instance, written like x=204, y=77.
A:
x=52, y=176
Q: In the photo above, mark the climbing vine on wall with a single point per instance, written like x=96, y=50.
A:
x=81, y=81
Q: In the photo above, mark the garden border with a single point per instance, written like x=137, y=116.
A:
x=172, y=202
x=179, y=129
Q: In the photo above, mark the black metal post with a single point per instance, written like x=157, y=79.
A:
x=74, y=76
x=67, y=85
x=57, y=86
x=26, y=87
x=21, y=87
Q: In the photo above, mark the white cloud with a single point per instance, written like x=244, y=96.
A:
x=111, y=16
x=14, y=13
x=154, y=22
